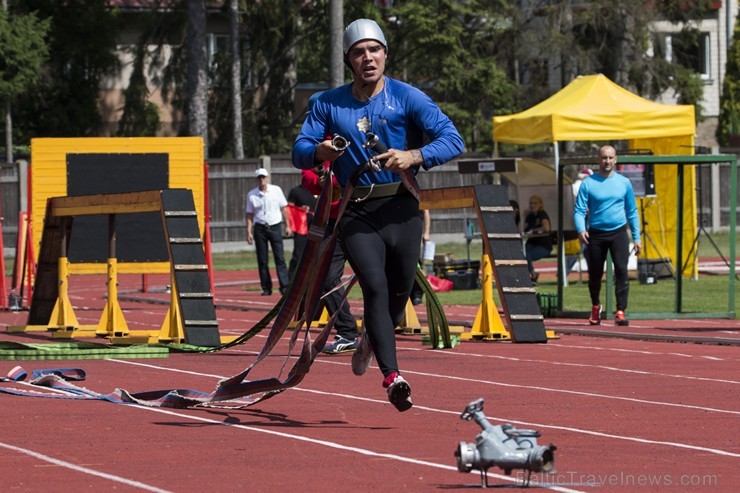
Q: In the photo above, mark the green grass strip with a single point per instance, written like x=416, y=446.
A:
x=13, y=351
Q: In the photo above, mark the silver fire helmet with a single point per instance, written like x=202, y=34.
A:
x=363, y=29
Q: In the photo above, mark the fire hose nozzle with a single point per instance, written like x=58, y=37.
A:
x=339, y=142
x=504, y=446
x=373, y=143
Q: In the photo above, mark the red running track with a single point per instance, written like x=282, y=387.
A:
x=626, y=415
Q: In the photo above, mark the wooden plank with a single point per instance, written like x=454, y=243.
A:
x=114, y=203
x=447, y=198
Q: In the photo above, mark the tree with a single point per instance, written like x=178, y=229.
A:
x=612, y=37
x=22, y=51
x=449, y=49
x=729, y=113
x=82, y=41
x=236, y=80
x=476, y=58
x=140, y=116
x=336, y=29
x=197, y=72
x=271, y=32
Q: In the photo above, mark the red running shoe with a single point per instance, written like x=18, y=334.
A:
x=595, y=318
x=399, y=391
x=620, y=319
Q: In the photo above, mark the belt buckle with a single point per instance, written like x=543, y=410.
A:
x=369, y=193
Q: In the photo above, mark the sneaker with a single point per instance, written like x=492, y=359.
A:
x=362, y=357
x=341, y=345
x=399, y=391
x=595, y=318
x=620, y=319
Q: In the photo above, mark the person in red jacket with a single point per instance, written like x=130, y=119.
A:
x=301, y=204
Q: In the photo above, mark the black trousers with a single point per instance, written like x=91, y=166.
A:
x=381, y=239
x=299, y=244
x=273, y=236
x=600, y=243
x=345, y=324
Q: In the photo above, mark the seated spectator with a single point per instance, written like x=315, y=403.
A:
x=537, y=232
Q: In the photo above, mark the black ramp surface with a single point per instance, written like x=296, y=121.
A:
x=503, y=242
x=191, y=277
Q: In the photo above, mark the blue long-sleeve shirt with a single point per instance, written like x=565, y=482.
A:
x=400, y=115
x=610, y=203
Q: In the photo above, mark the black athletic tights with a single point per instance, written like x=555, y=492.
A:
x=381, y=239
x=599, y=243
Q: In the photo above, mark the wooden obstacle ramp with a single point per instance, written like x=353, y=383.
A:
x=520, y=319
x=192, y=310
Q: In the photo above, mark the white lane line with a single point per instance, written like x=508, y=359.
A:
x=501, y=384
x=338, y=446
x=582, y=365
x=573, y=392
x=85, y=470
x=250, y=428
x=552, y=427
x=457, y=413
x=556, y=344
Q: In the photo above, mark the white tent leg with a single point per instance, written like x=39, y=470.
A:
x=561, y=251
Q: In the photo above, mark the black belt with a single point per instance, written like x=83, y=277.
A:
x=265, y=225
x=376, y=191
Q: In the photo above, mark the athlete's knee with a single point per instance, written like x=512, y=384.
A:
x=373, y=282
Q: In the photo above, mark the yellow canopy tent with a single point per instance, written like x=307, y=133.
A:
x=594, y=108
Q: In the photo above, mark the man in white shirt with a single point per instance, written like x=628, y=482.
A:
x=266, y=214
